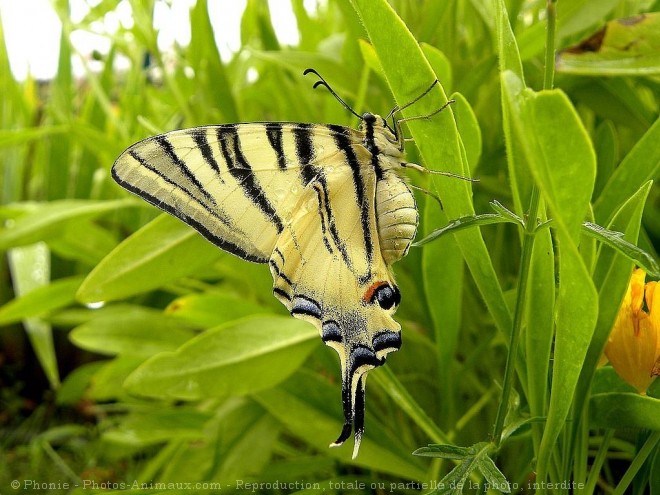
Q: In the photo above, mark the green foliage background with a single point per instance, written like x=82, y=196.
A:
x=136, y=351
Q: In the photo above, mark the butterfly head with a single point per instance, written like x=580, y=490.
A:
x=380, y=137
x=363, y=339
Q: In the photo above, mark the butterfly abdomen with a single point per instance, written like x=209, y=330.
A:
x=397, y=217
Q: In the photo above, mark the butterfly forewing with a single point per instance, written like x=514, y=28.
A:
x=236, y=184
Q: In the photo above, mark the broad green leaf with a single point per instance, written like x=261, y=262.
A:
x=41, y=301
x=157, y=426
x=440, y=64
x=577, y=311
x=408, y=73
x=370, y=57
x=248, y=435
x=204, y=58
x=558, y=151
x=49, y=219
x=310, y=408
x=108, y=382
x=640, y=165
x=624, y=410
x=83, y=241
x=212, y=309
x=237, y=358
x=628, y=46
x=162, y=251
x=130, y=331
x=76, y=383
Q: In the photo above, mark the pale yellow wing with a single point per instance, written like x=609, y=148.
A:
x=237, y=184
x=328, y=269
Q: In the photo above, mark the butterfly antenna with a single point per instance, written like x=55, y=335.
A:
x=398, y=108
x=427, y=116
x=323, y=82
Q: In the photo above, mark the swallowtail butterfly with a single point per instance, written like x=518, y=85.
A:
x=322, y=205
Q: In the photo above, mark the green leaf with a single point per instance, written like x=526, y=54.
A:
x=164, y=250
x=30, y=272
x=606, y=144
x=456, y=479
x=75, y=384
x=624, y=410
x=559, y=153
x=463, y=223
x=446, y=451
x=41, y=301
x=639, y=166
x=133, y=331
x=83, y=241
x=628, y=46
x=48, y=220
x=616, y=241
x=237, y=358
x=539, y=331
x=494, y=477
x=440, y=64
x=212, y=309
x=108, y=382
x=162, y=425
x=468, y=128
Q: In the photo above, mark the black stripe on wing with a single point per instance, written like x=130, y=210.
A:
x=169, y=151
x=343, y=141
x=274, y=134
x=302, y=135
x=239, y=168
x=201, y=228
x=199, y=136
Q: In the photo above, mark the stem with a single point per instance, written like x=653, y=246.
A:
x=637, y=463
x=549, y=75
x=521, y=297
x=592, y=479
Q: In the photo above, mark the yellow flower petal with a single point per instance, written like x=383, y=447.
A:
x=633, y=347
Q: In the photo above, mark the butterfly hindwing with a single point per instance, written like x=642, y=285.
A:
x=322, y=278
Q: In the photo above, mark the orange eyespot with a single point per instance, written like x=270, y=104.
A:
x=386, y=295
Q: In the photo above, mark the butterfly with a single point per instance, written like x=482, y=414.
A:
x=322, y=205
